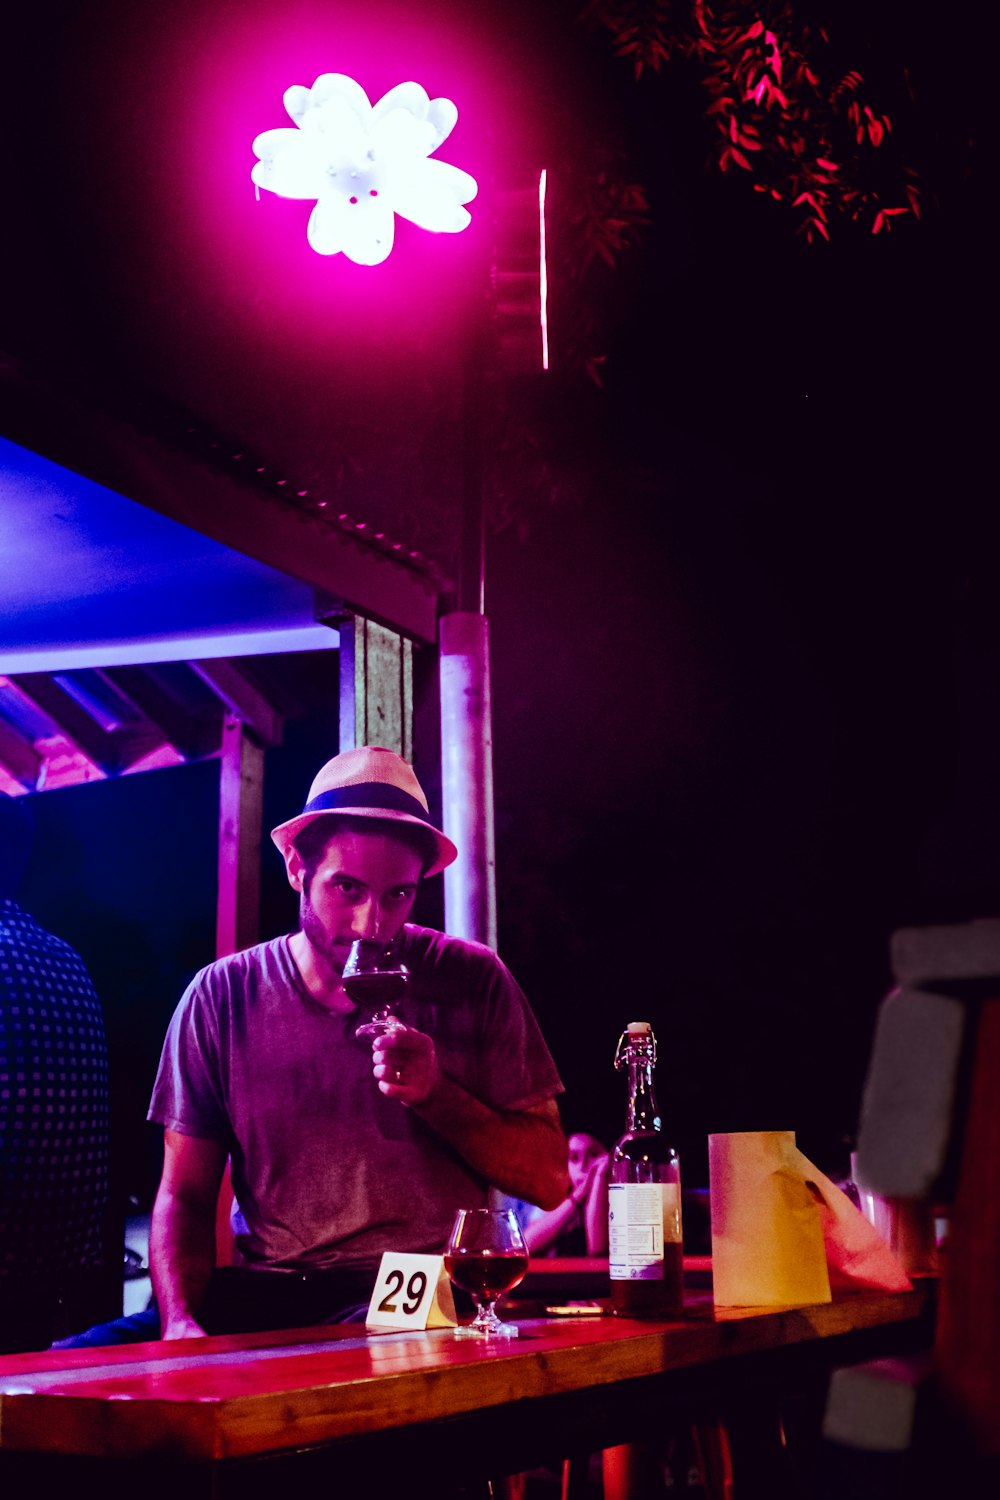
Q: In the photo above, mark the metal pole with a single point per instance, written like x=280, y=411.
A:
x=464, y=655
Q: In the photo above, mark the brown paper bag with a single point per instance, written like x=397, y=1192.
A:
x=767, y=1239
x=782, y=1234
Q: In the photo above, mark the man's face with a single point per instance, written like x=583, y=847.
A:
x=363, y=886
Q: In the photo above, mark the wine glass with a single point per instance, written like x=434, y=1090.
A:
x=375, y=978
x=486, y=1257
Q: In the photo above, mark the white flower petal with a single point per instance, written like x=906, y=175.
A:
x=409, y=96
x=369, y=230
x=270, y=143
x=325, y=231
x=462, y=184
x=362, y=230
x=401, y=138
x=296, y=100
x=339, y=134
x=429, y=199
x=288, y=165
x=339, y=86
x=442, y=114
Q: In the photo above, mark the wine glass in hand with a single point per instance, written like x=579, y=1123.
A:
x=375, y=978
x=486, y=1257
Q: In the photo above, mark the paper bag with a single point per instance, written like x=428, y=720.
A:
x=782, y=1233
x=767, y=1239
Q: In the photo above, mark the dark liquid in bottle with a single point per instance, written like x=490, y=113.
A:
x=371, y=991
x=486, y=1274
x=637, y=1299
x=647, y=1156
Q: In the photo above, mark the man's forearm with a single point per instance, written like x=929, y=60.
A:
x=181, y=1260
x=519, y=1152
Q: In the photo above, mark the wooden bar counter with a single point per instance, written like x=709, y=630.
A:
x=403, y=1413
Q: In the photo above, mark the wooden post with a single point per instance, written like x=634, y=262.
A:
x=241, y=787
x=467, y=776
x=376, y=687
x=237, y=925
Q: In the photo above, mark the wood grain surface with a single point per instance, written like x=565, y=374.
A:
x=220, y=1398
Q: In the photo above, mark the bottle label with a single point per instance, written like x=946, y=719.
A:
x=641, y=1216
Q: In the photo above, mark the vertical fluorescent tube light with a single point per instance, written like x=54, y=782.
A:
x=543, y=279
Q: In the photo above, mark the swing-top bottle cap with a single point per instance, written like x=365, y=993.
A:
x=640, y=1032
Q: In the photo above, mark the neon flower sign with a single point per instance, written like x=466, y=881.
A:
x=363, y=164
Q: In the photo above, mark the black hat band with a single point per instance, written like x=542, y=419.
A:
x=368, y=794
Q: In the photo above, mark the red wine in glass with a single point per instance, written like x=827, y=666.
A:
x=486, y=1275
x=375, y=979
x=486, y=1256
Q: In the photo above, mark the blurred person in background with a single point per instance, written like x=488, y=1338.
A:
x=579, y=1225
x=54, y=1134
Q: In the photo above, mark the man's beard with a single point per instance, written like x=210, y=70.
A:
x=333, y=951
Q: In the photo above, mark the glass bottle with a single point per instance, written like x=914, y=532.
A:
x=644, y=1195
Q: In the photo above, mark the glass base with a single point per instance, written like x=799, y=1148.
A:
x=489, y=1330
x=379, y=1026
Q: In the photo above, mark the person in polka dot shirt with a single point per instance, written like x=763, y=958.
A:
x=54, y=1135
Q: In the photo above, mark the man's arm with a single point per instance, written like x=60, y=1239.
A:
x=520, y=1152
x=182, y=1231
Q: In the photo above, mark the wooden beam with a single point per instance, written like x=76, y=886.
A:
x=18, y=756
x=241, y=789
x=112, y=752
x=192, y=735
x=376, y=687
x=241, y=698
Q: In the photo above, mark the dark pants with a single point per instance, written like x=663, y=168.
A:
x=241, y=1300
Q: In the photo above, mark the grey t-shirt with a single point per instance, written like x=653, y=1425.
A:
x=326, y=1170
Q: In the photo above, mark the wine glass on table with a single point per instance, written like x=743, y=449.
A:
x=375, y=978
x=486, y=1257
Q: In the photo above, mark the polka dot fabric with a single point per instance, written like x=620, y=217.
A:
x=53, y=1102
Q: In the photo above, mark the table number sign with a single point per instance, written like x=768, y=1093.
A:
x=412, y=1291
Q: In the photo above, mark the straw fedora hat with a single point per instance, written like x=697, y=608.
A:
x=370, y=782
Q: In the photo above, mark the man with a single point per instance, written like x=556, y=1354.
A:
x=54, y=1140
x=342, y=1147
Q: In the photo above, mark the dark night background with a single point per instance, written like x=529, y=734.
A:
x=743, y=597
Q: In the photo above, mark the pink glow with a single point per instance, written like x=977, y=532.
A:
x=210, y=264
x=543, y=271
x=212, y=92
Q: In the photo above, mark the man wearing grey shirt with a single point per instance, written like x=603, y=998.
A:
x=342, y=1146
